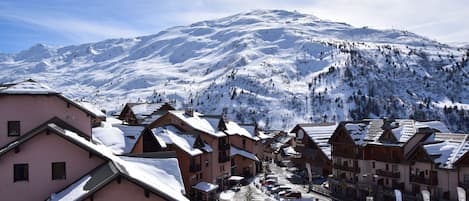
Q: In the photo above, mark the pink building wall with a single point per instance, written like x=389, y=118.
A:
x=39, y=152
x=217, y=169
x=33, y=110
x=124, y=191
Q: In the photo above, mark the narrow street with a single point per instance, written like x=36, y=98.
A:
x=255, y=192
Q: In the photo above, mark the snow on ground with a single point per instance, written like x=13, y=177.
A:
x=274, y=66
x=255, y=192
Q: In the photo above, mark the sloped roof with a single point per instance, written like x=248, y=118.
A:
x=370, y=130
x=31, y=87
x=320, y=134
x=185, y=141
x=232, y=128
x=92, y=108
x=27, y=87
x=206, y=124
x=237, y=151
x=119, y=138
x=156, y=174
x=142, y=110
x=447, y=148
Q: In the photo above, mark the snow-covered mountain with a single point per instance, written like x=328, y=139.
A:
x=272, y=66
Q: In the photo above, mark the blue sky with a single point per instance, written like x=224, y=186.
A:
x=66, y=22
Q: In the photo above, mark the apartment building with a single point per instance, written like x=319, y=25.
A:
x=376, y=156
x=46, y=151
x=312, y=144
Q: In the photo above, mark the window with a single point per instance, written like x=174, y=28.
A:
x=244, y=143
x=387, y=166
x=206, y=163
x=466, y=178
x=373, y=164
x=395, y=168
x=13, y=128
x=20, y=172
x=58, y=171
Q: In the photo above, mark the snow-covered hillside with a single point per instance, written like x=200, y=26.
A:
x=272, y=66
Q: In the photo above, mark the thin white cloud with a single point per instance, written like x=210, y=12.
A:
x=73, y=27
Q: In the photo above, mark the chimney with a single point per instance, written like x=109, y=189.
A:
x=189, y=111
x=386, y=124
x=224, y=114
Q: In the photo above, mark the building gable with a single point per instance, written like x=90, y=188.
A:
x=420, y=155
x=341, y=136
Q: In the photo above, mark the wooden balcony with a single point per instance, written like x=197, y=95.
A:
x=432, y=181
x=390, y=174
x=346, y=168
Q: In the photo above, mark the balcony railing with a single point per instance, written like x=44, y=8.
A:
x=385, y=173
x=422, y=180
x=346, y=167
x=195, y=167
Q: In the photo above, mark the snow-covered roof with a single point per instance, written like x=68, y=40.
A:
x=150, y=119
x=370, y=130
x=403, y=130
x=263, y=136
x=141, y=110
x=92, y=108
x=232, y=128
x=433, y=124
x=290, y=151
x=357, y=131
x=119, y=138
x=148, y=171
x=447, y=148
x=320, y=134
x=235, y=151
x=205, y=186
x=86, y=184
x=27, y=87
x=199, y=122
x=158, y=172
x=185, y=141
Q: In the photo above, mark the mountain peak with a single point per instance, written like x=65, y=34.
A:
x=275, y=66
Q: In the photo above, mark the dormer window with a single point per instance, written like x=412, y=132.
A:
x=13, y=128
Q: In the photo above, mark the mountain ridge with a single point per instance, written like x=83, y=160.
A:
x=272, y=66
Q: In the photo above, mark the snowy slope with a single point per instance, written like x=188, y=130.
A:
x=272, y=66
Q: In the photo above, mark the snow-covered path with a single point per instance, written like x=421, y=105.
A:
x=283, y=174
x=251, y=192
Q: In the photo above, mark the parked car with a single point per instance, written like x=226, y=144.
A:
x=279, y=188
x=270, y=181
x=270, y=186
x=292, y=194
